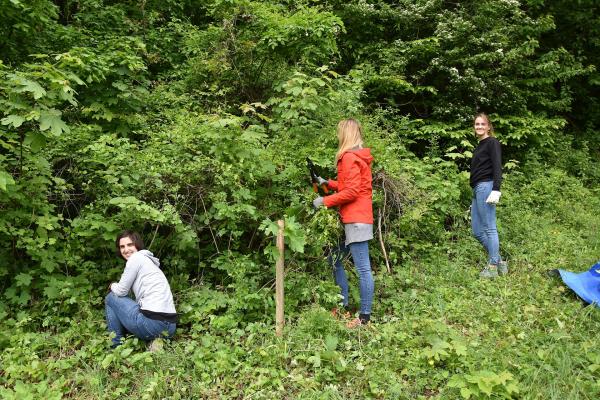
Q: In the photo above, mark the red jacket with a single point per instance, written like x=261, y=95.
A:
x=354, y=191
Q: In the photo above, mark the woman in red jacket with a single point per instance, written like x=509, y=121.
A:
x=354, y=199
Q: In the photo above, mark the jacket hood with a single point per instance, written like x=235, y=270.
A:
x=364, y=154
x=148, y=254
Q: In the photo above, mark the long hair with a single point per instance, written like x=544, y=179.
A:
x=349, y=133
x=484, y=116
x=135, y=238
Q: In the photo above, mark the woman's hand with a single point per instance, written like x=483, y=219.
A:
x=322, y=181
x=318, y=202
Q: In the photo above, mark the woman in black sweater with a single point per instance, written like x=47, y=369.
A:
x=486, y=177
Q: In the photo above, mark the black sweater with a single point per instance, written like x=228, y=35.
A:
x=486, y=164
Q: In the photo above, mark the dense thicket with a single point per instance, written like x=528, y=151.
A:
x=190, y=121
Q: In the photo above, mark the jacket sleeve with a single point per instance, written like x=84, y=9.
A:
x=351, y=178
x=496, y=157
x=132, y=268
x=333, y=185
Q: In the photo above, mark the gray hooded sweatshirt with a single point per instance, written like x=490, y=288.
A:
x=150, y=286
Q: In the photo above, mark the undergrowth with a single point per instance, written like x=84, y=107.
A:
x=438, y=332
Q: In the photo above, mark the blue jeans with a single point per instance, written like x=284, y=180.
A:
x=483, y=221
x=360, y=256
x=123, y=315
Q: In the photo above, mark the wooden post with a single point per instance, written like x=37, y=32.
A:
x=279, y=271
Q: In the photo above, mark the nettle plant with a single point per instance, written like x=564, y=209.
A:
x=485, y=383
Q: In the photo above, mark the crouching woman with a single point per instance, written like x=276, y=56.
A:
x=152, y=314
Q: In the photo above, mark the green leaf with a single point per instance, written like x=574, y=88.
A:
x=5, y=180
x=126, y=352
x=36, y=141
x=107, y=360
x=24, y=297
x=31, y=86
x=466, y=393
x=485, y=385
x=48, y=264
x=296, y=243
x=459, y=348
x=51, y=292
x=512, y=388
x=456, y=381
x=23, y=279
x=294, y=235
x=122, y=86
x=269, y=227
x=315, y=360
x=331, y=342
x=13, y=120
x=123, y=201
x=50, y=119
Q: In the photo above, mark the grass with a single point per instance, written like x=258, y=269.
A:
x=439, y=331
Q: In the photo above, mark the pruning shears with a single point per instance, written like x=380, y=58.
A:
x=314, y=177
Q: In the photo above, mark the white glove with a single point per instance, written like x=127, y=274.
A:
x=322, y=181
x=494, y=197
x=318, y=202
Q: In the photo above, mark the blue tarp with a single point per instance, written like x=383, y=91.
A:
x=585, y=284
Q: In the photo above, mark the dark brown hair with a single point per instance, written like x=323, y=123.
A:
x=135, y=238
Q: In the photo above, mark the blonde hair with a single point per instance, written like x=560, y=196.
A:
x=349, y=133
x=487, y=119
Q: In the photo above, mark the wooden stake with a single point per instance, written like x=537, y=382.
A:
x=279, y=271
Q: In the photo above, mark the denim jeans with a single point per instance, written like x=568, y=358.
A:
x=360, y=256
x=483, y=221
x=123, y=315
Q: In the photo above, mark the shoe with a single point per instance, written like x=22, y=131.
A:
x=503, y=268
x=156, y=346
x=489, y=272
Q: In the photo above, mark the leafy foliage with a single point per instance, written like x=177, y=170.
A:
x=190, y=121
